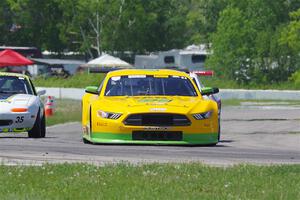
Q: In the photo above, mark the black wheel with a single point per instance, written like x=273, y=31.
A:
x=43, y=126
x=85, y=141
x=219, y=130
x=36, y=131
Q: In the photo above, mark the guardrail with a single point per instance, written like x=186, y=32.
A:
x=75, y=93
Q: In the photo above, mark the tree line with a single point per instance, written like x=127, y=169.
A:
x=250, y=41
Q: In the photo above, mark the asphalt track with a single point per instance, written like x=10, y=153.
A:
x=250, y=134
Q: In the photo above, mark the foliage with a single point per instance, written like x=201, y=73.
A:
x=202, y=19
x=253, y=41
x=92, y=26
x=225, y=83
x=291, y=35
x=246, y=45
x=295, y=79
x=84, y=80
x=149, y=181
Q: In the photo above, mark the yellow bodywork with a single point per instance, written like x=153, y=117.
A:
x=94, y=125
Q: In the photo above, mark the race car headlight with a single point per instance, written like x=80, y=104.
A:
x=108, y=115
x=200, y=116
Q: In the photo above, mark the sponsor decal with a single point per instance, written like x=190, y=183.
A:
x=158, y=109
x=156, y=128
x=101, y=124
x=137, y=76
x=115, y=78
x=154, y=100
x=6, y=98
x=7, y=130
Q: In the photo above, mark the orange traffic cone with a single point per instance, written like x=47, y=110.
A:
x=49, y=106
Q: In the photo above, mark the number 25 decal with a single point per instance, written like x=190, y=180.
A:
x=19, y=119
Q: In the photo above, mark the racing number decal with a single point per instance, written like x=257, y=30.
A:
x=19, y=119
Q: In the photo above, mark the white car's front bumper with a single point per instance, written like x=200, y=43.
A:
x=16, y=122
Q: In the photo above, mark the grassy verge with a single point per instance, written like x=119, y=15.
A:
x=65, y=111
x=237, y=102
x=83, y=80
x=76, y=81
x=230, y=84
x=155, y=181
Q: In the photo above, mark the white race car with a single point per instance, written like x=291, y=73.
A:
x=21, y=109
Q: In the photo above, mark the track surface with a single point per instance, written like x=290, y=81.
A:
x=250, y=134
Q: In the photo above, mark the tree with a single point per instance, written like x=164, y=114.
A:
x=246, y=43
x=291, y=34
x=202, y=19
x=38, y=21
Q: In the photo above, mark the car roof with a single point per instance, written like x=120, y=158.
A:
x=124, y=72
x=13, y=74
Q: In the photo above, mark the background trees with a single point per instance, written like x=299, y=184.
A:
x=252, y=40
x=248, y=44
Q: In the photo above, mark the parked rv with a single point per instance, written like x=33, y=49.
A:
x=193, y=57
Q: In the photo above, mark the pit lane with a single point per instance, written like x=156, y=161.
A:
x=250, y=134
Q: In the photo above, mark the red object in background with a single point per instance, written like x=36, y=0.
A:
x=9, y=57
x=204, y=73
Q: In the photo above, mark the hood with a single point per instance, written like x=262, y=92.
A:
x=176, y=104
x=15, y=99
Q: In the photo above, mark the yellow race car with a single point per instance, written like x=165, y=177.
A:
x=149, y=107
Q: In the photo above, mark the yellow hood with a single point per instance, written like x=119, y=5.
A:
x=168, y=104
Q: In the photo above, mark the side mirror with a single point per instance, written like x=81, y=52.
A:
x=41, y=92
x=91, y=89
x=209, y=91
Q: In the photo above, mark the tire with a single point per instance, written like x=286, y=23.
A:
x=43, y=126
x=85, y=141
x=219, y=130
x=36, y=131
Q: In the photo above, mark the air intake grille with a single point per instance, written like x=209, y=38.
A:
x=157, y=119
x=5, y=122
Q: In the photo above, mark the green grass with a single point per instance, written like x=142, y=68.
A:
x=238, y=102
x=83, y=80
x=66, y=110
x=153, y=181
x=230, y=84
x=76, y=81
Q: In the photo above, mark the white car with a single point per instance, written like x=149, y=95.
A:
x=21, y=109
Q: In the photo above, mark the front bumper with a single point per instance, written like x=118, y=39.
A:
x=197, y=132
x=126, y=138
x=20, y=122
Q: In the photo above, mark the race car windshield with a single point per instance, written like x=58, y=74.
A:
x=140, y=85
x=14, y=85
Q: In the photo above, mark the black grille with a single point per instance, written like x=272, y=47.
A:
x=5, y=122
x=157, y=135
x=157, y=119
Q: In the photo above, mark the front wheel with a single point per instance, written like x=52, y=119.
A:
x=85, y=141
x=43, y=126
x=39, y=129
